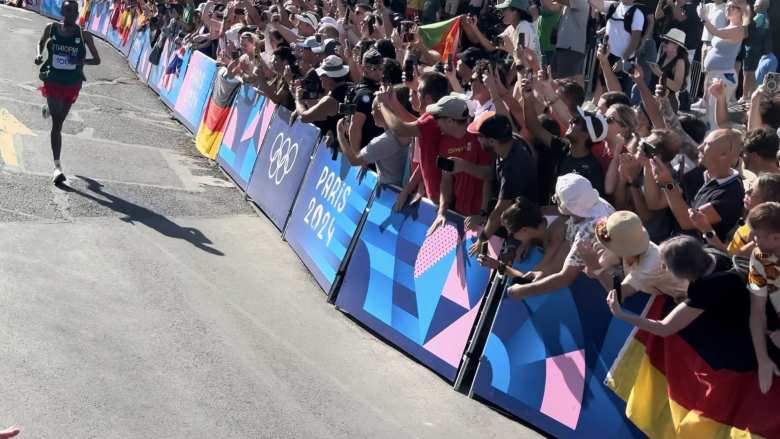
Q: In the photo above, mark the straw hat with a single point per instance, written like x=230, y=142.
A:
x=623, y=234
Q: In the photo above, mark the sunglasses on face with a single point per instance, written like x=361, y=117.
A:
x=613, y=119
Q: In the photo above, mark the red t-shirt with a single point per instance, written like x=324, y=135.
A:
x=428, y=143
x=603, y=154
x=466, y=188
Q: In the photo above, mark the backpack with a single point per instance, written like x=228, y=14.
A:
x=628, y=18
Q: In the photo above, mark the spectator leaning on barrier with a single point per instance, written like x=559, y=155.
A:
x=514, y=171
x=764, y=284
x=363, y=128
x=569, y=58
x=526, y=225
x=431, y=86
x=576, y=199
x=622, y=239
x=323, y=113
x=460, y=191
x=387, y=151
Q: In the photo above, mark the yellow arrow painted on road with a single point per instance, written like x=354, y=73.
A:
x=9, y=127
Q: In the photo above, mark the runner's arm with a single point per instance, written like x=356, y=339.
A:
x=95, y=60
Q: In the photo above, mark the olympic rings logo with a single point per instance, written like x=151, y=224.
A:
x=283, y=155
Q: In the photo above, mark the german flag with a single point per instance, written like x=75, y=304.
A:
x=215, y=117
x=443, y=36
x=694, y=384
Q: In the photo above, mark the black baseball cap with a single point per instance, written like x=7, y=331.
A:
x=491, y=125
x=471, y=55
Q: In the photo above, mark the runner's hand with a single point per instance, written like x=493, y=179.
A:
x=38, y=60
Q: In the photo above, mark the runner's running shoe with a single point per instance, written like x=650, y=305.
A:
x=58, y=177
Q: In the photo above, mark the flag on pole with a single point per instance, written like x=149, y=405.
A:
x=215, y=118
x=442, y=36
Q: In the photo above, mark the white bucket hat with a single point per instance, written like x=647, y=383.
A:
x=576, y=196
x=623, y=234
x=332, y=67
x=676, y=36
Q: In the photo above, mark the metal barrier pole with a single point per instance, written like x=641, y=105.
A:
x=471, y=355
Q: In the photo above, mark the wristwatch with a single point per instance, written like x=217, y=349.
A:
x=667, y=186
x=708, y=235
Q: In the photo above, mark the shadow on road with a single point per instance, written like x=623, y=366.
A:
x=135, y=213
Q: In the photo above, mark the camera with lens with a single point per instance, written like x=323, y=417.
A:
x=772, y=82
x=348, y=107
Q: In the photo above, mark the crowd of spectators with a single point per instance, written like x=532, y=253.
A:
x=635, y=143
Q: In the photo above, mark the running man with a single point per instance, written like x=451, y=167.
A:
x=62, y=73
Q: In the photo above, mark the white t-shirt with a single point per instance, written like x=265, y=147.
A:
x=650, y=276
x=619, y=39
x=511, y=35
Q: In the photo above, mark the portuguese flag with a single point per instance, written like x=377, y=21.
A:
x=442, y=36
x=694, y=384
x=215, y=117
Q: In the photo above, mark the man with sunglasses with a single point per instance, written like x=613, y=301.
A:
x=363, y=128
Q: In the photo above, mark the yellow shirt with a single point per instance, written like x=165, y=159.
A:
x=741, y=238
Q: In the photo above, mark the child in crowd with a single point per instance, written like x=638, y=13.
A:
x=764, y=283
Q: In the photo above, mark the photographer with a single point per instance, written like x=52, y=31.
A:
x=363, y=128
x=324, y=113
x=387, y=151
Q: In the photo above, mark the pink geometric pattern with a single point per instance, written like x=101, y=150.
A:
x=448, y=344
x=252, y=127
x=268, y=112
x=455, y=287
x=230, y=130
x=435, y=247
x=563, y=387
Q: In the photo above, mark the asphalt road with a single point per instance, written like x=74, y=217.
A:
x=150, y=301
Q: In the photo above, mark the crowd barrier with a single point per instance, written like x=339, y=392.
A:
x=544, y=360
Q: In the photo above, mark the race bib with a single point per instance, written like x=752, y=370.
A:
x=62, y=62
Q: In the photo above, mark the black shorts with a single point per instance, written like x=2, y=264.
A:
x=567, y=63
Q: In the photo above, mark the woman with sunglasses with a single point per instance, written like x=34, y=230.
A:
x=721, y=59
x=62, y=73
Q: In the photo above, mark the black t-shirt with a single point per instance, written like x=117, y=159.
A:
x=727, y=199
x=364, y=99
x=516, y=174
x=587, y=166
x=721, y=334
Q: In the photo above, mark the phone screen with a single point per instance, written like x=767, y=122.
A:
x=445, y=164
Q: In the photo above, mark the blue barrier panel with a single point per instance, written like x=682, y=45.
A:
x=51, y=8
x=250, y=114
x=144, y=66
x=195, y=89
x=98, y=15
x=546, y=358
x=157, y=71
x=422, y=293
x=121, y=42
x=140, y=40
x=33, y=5
x=284, y=157
x=172, y=78
x=327, y=211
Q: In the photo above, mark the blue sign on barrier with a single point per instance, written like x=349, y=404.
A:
x=327, y=212
x=244, y=134
x=546, y=358
x=422, y=293
x=195, y=89
x=284, y=157
x=51, y=8
x=144, y=66
x=98, y=18
x=157, y=71
x=140, y=40
x=32, y=5
x=172, y=78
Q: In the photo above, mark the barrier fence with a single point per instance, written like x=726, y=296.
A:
x=544, y=359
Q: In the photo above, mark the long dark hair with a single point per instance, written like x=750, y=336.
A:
x=681, y=53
